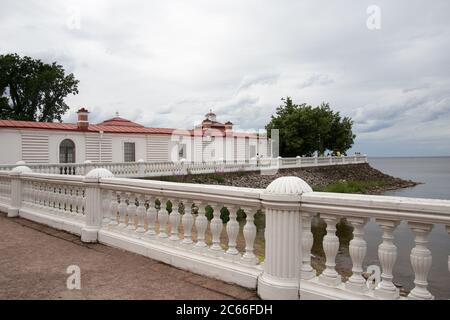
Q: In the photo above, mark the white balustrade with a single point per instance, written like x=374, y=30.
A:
x=420, y=261
x=187, y=221
x=232, y=231
x=330, y=246
x=131, y=212
x=387, y=254
x=123, y=213
x=357, y=250
x=141, y=213
x=307, y=271
x=163, y=218
x=216, y=229
x=174, y=219
x=249, y=235
x=152, y=215
x=201, y=222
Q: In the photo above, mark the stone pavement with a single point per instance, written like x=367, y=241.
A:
x=34, y=259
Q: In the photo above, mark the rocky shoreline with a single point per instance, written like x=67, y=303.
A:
x=374, y=181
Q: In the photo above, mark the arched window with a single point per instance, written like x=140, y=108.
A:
x=67, y=151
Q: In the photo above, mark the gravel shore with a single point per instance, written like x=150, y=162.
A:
x=316, y=177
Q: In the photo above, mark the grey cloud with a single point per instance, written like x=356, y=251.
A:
x=165, y=64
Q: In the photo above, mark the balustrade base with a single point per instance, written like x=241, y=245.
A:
x=356, y=287
x=13, y=212
x=179, y=257
x=330, y=281
x=89, y=235
x=272, y=288
x=387, y=294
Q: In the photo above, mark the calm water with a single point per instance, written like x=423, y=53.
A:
x=434, y=173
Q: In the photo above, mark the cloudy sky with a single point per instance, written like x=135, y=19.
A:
x=166, y=63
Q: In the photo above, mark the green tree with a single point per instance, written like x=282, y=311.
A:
x=304, y=129
x=33, y=90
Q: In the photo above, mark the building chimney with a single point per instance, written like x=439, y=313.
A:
x=228, y=125
x=83, y=121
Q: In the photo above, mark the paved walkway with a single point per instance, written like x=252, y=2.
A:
x=34, y=259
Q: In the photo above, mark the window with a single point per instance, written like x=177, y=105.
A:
x=182, y=151
x=252, y=151
x=129, y=154
x=67, y=151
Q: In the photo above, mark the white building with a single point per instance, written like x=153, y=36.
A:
x=121, y=140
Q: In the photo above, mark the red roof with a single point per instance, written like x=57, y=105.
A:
x=114, y=125
x=120, y=122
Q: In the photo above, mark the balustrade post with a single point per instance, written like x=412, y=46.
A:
x=131, y=212
x=187, y=221
x=152, y=214
x=122, y=208
x=216, y=228
x=140, y=212
x=387, y=254
x=93, y=206
x=232, y=231
x=330, y=246
x=174, y=219
x=87, y=167
x=113, y=209
x=163, y=217
x=357, y=249
x=307, y=271
x=421, y=261
x=249, y=236
x=16, y=188
x=141, y=168
x=298, y=161
x=201, y=222
x=283, y=237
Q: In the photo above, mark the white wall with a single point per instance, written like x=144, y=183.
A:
x=10, y=145
x=118, y=146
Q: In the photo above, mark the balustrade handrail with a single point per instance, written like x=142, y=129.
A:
x=433, y=211
x=222, y=194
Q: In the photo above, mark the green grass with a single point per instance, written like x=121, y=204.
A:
x=352, y=186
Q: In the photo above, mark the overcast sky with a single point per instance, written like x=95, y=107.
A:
x=166, y=63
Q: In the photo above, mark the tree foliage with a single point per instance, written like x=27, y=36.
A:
x=33, y=90
x=304, y=129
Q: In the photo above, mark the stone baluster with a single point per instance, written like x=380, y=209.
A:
x=421, y=261
x=357, y=249
x=152, y=214
x=187, y=221
x=140, y=212
x=330, y=246
x=174, y=219
x=113, y=209
x=122, y=211
x=131, y=212
x=249, y=236
x=307, y=271
x=163, y=218
x=201, y=222
x=387, y=254
x=106, y=195
x=232, y=232
x=216, y=226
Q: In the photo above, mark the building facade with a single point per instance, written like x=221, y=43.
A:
x=121, y=140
